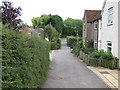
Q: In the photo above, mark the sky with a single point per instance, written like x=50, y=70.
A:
x=64, y=8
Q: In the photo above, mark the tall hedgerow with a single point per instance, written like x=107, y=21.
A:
x=25, y=60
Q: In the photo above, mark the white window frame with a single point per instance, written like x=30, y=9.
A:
x=95, y=44
x=109, y=46
x=110, y=15
x=39, y=34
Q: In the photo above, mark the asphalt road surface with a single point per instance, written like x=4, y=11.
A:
x=68, y=72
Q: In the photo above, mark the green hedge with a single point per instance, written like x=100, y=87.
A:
x=103, y=59
x=25, y=60
x=71, y=41
x=56, y=44
x=77, y=48
x=103, y=55
x=87, y=50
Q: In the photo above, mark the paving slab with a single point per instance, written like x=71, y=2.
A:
x=110, y=78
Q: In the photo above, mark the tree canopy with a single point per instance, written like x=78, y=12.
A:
x=54, y=20
x=51, y=32
x=57, y=22
x=40, y=22
x=10, y=14
x=73, y=27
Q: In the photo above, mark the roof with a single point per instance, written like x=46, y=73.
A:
x=92, y=15
x=39, y=29
x=25, y=31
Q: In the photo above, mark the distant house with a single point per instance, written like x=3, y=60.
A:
x=39, y=32
x=109, y=35
x=30, y=31
x=27, y=31
x=91, y=26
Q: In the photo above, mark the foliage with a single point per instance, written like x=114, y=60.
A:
x=87, y=50
x=40, y=22
x=104, y=59
x=10, y=14
x=57, y=22
x=53, y=37
x=77, y=48
x=89, y=44
x=100, y=59
x=71, y=41
x=25, y=60
x=54, y=20
x=51, y=32
x=56, y=44
x=101, y=54
x=72, y=27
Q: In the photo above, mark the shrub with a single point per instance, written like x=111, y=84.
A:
x=51, y=32
x=71, y=41
x=88, y=50
x=102, y=55
x=25, y=60
x=81, y=58
x=77, y=47
x=56, y=44
x=96, y=54
x=89, y=44
x=106, y=60
x=53, y=37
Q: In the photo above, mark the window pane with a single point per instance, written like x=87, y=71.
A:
x=110, y=10
x=110, y=18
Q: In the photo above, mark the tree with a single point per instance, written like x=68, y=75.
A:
x=10, y=15
x=72, y=27
x=57, y=22
x=51, y=32
x=40, y=22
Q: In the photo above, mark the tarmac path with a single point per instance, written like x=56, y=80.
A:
x=68, y=72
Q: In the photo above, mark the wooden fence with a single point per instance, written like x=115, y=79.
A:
x=112, y=64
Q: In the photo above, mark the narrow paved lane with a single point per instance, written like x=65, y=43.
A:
x=68, y=72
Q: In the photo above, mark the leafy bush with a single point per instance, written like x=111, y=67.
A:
x=71, y=41
x=25, y=60
x=87, y=50
x=77, y=48
x=102, y=55
x=103, y=59
x=56, y=44
x=51, y=32
x=89, y=44
x=96, y=54
x=53, y=37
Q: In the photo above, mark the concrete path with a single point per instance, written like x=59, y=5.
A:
x=68, y=72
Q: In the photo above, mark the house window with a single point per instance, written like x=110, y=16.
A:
x=110, y=15
x=39, y=34
x=95, y=25
x=109, y=46
x=95, y=44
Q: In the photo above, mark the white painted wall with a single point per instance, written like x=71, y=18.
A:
x=99, y=35
x=110, y=33
x=119, y=32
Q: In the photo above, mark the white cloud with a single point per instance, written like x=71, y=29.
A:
x=64, y=8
